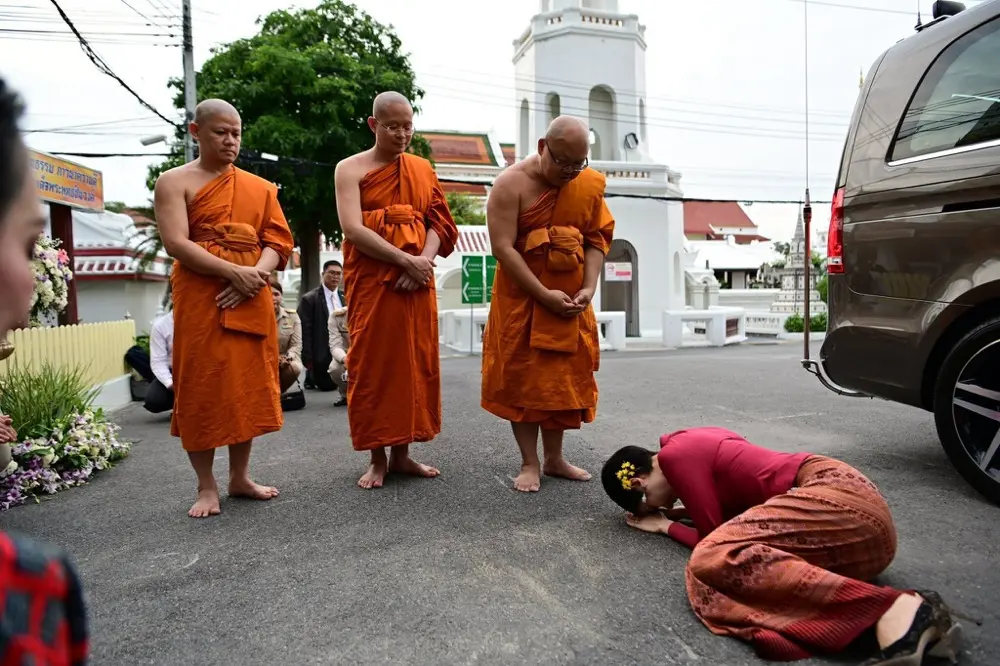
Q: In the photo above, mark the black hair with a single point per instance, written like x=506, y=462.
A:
x=332, y=262
x=640, y=462
x=12, y=163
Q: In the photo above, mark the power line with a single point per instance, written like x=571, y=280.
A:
x=100, y=123
x=838, y=5
x=539, y=82
x=126, y=3
x=103, y=66
x=256, y=157
x=38, y=31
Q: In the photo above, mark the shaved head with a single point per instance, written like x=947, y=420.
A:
x=564, y=150
x=211, y=108
x=392, y=123
x=383, y=101
x=218, y=129
x=569, y=129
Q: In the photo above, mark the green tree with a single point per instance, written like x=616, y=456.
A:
x=304, y=87
x=817, y=261
x=823, y=287
x=465, y=209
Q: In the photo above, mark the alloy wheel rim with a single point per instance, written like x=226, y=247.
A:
x=975, y=408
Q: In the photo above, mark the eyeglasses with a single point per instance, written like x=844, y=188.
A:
x=566, y=166
x=406, y=130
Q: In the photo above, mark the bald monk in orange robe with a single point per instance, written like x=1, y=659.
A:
x=226, y=232
x=549, y=230
x=395, y=221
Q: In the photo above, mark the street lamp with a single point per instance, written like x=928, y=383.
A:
x=156, y=138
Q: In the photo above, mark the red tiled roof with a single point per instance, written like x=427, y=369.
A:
x=701, y=216
x=464, y=188
x=460, y=148
x=508, y=153
x=138, y=219
x=742, y=239
x=473, y=241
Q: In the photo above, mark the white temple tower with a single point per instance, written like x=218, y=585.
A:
x=586, y=58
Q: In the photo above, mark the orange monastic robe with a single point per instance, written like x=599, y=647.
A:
x=394, y=393
x=539, y=367
x=225, y=362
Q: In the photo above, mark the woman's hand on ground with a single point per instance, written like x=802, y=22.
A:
x=654, y=523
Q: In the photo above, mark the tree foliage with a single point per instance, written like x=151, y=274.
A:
x=465, y=209
x=304, y=87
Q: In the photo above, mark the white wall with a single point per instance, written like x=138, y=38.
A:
x=751, y=300
x=656, y=230
x=112, y=300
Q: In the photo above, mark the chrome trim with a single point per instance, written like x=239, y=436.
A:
x=814, y=368
x=995, y=143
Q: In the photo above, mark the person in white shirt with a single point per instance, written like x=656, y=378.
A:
x=314, y=311
x=160, y=394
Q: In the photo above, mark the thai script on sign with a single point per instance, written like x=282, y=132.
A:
x=63, y=182
x=63, y=190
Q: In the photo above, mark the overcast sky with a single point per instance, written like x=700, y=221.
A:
x=726, y=87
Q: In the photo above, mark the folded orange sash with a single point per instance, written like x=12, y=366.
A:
x=242, y=246
x=563, y=270
x=403, y=227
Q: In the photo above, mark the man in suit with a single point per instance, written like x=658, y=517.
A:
x=314, y=311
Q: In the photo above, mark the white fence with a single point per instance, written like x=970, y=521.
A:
x=714, y=327
x=462, y=330
x=751, y=300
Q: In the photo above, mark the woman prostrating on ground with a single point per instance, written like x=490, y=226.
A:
x=783, y=547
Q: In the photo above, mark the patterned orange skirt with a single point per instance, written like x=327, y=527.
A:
x=789, y=576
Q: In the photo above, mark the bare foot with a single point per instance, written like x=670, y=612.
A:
x=529, y=480
x=207, y=504
x=374, y=477
x=250, y=490
x=564, y=470
x=409, y=466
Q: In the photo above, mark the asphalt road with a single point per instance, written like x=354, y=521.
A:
x=463, y=570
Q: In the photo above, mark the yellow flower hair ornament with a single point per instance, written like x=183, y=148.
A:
x=625, y=475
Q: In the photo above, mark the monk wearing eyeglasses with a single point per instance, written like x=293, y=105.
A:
x=549, y=230
x=396, y=221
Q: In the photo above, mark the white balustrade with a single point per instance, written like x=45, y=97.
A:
x=722, y=326
x=462, y=330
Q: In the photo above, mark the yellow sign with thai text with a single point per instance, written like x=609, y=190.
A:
x=63, y=182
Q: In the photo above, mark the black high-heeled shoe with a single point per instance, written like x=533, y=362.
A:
x=932, y=633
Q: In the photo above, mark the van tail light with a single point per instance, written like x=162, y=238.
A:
x=835, y=236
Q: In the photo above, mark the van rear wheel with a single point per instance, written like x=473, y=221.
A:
x=967, y=408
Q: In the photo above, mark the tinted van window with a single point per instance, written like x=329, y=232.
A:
x=958, y=102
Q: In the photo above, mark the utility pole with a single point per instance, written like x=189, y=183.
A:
x=190, y=90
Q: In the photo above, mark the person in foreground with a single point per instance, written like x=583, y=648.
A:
x=549, y=230
x=38, y=582
x=784, y=545
x=395, y=221
x=225, y=230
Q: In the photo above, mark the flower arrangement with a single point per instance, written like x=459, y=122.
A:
x=52, y=273
x=79, y=445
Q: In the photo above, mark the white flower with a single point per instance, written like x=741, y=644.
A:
x=9, y=469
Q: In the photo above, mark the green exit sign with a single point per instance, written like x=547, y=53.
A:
x=477, y=278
